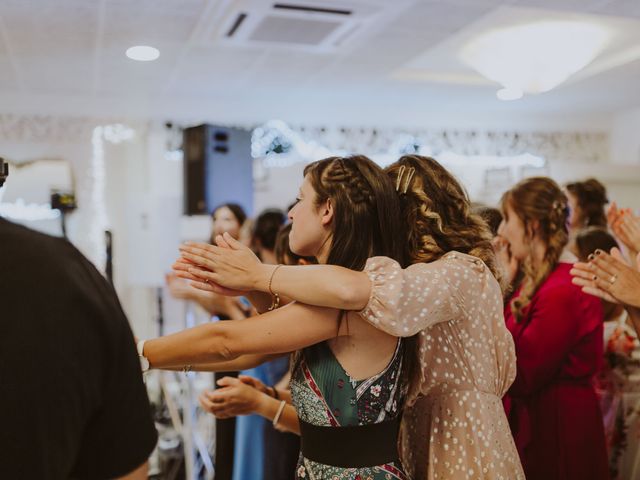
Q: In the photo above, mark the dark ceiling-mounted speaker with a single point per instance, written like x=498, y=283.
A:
x=218, y=168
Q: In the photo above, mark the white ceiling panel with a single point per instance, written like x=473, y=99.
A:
x=76, y=47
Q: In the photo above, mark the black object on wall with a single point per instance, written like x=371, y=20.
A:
x=4, y=171
x=218, y=168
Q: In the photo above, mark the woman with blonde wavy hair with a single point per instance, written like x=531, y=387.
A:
x=454, y=426
x=552, y=406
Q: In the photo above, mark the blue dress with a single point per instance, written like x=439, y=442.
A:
x=248, y=461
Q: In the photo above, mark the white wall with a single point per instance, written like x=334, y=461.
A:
x=625, y=138
x=143, y=194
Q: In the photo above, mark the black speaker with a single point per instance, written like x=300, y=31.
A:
x=218, y=168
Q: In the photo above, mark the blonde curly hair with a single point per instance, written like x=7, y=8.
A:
x=438, y=213
x=539, y=200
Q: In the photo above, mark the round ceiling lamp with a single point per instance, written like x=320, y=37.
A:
x=143, y=53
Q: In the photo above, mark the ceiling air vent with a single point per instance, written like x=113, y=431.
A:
x=307, y=8
x=236, y=25
x=302, y=31
x=317, y=26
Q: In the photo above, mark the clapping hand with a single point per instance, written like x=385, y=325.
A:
x=609, y=277
x=229, y=265
x=625, y=226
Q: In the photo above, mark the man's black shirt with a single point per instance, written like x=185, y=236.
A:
x=72, y=401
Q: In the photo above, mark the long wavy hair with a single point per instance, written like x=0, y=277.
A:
x=540, y=200
x=439, y=213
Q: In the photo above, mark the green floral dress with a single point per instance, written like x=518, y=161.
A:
x=325, y=395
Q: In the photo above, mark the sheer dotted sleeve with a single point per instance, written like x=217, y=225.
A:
x=404, y=301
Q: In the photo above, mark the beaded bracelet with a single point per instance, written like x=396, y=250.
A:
x=275, y=302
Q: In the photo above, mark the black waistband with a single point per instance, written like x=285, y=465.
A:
x=356, y=446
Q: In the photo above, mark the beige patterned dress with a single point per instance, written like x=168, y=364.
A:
x=454, y=426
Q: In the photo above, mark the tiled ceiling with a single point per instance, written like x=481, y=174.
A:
x=57, y=49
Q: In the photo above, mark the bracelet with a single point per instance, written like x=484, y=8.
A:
x=144, y=361
x=279, y=413
x=275, y=302
x=275, y=393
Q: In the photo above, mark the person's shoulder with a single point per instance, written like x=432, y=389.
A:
x=464, y=260
x=20, y=242
x=54, y=260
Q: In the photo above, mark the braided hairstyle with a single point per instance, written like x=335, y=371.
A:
x=366, y=219
x=366, y=223
x=591, y=197
x=538, y=199
x=439, y=212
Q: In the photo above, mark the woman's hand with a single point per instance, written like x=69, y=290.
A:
x=627, y=229
x=235, y=397
x=507, y=262
x=229, y=264
x=179, y=288
x=255, y=383
x=609, y=277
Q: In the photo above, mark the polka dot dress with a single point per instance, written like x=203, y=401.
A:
x=454, y=426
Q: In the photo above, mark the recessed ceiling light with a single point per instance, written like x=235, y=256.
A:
x=509, y=94
x=143, y=53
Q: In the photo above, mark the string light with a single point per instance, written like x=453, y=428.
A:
x=114, y=134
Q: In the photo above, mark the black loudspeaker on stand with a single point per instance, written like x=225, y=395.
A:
x=218, y=168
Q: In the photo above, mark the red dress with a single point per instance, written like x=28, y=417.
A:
x=552, y=406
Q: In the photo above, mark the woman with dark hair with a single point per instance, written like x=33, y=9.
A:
x=227, y=217
x=265, y=232
x=552, y=406
x=247, y=395
x=454, y=426
x=251, y=459
x=587, y=202
x=350, y=379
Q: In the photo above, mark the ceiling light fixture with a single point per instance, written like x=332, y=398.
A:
x=509, y=94
x=534, y=57
x=143, y=53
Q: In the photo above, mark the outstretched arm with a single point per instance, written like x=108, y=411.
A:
x=243, y=362
x=283, y=330
x=236, y=267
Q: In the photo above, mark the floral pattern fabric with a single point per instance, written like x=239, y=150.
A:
x=618, y=388
x=324, y=394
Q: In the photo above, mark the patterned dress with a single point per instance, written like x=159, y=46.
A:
x=454, y=426
x=325, y=395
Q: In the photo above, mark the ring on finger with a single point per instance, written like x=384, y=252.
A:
x=613, y=279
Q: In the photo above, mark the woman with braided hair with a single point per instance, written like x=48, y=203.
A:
x=552, y=406
x=454, y=426
x=350, y=380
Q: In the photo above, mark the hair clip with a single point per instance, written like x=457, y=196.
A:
x=399, y=178
x=410, y=173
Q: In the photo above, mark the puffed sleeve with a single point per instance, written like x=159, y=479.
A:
x=405, y=301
